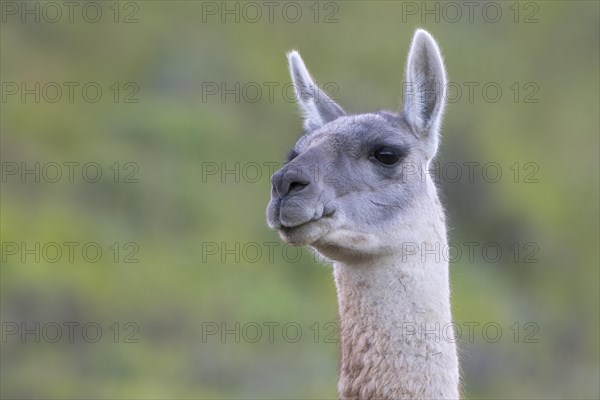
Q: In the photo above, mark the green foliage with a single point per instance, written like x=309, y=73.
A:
x=172, y=216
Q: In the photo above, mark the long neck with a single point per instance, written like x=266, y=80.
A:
x=397, y=338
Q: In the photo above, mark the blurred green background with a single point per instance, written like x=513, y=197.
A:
x=206, y=260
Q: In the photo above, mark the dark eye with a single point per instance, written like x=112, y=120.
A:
x=387, y=155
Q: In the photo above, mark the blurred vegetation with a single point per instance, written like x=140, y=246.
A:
x=177, y=289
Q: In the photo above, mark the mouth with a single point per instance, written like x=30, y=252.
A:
x=306, y=233
x=327, y=211
x=303, y=231
x=288, y=228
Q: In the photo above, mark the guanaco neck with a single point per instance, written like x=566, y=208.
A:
x=397, y=338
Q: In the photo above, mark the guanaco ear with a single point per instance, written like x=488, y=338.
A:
x=317, y=108
x=424, y=96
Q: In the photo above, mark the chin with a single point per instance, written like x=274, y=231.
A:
x=349, y=246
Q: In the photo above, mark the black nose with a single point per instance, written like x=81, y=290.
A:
x=288, y=181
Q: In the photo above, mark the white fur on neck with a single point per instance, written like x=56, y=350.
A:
x=383, y=311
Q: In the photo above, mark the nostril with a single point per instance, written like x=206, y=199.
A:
x=297, y=186
x=288, y=181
